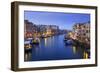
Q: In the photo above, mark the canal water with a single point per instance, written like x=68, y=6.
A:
x=54, y=48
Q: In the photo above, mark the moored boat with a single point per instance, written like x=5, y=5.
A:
x=27, y=46
x=69, y=42
x=36, y=41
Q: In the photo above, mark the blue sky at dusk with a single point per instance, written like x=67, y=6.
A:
x=63, y=20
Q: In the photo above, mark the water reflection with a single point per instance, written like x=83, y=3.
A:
x=74, y=50
x=27, y=56
x=54, y=48
x=85, y=55
x=45, y=41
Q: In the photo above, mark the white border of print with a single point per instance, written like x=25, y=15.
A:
x=33, y=64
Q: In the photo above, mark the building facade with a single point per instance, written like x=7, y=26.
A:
x=82, y=31
x=35, y=30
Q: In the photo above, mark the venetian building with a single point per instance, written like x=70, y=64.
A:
x=29, y=29
x=82, y=31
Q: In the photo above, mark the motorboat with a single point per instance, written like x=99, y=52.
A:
x=36, y=41
x=27, y=45
x=69, y=42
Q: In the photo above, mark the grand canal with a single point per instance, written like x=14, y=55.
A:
x=54, y=48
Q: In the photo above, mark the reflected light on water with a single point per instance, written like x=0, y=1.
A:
x=28, y=56
x=85, y=55
x=74, y=49
x=54, y=48
x=48, y=42
x=45, y=41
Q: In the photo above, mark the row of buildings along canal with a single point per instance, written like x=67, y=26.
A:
x=79, y=36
